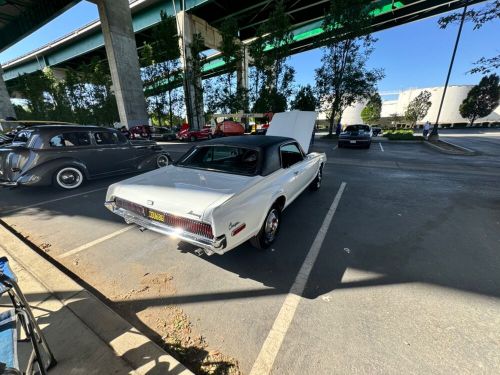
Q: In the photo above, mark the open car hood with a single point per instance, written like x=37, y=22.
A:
x=295, y=124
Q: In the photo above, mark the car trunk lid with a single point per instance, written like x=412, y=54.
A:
x=295, y=124
x=181, y=191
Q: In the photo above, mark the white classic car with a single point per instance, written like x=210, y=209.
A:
x=226, y=191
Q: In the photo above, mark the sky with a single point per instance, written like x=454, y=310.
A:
x=414, y=55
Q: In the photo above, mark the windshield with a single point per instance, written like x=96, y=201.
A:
x=357, y=128
x=225, y=159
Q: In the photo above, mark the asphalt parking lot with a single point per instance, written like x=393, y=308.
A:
x=407, y=278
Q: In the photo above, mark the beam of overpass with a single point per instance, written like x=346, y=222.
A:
x=307, y=16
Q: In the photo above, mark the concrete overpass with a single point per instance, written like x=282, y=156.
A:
x=89, y=41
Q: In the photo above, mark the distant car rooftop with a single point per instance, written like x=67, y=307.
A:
x=64, y=127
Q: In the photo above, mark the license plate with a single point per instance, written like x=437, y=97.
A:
x=352, y=141
x=157, y=216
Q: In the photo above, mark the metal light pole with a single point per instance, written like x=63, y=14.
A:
x=434, y=135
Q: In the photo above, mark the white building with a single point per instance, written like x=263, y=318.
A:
x=449, y=114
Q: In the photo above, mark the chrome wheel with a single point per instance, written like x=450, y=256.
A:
x=162, y=161
x=272, y=224
x=69, y=178
x=318, y=179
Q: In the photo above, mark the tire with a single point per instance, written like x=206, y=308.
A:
x=210, y=136
x=192, y=138
x=368, y=146
x=162, y=161
x=68, y=178
x=340, y=145
x=269, y=230
x=316, y=183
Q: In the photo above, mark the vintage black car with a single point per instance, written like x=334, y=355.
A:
x=66, y=155
x=355, y=136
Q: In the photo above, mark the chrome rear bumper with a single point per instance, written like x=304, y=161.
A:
x=210, y=246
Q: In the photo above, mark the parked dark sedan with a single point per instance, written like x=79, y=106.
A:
x=355, y=135
x=66, y=155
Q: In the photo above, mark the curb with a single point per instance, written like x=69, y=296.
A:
x=459, y=149
x=125, y=341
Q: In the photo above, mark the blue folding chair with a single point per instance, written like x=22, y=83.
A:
x=12, y=321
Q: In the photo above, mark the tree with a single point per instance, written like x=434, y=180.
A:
x=418, y=107
x=343, y=77
x=84, y=96
x=482, y=99
x=371, y=113
x=160, y=72
x=272, y=77
x=489, y=12
x=222, y=93
x=305, y=99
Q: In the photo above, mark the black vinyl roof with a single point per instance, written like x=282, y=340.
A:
x=253, y=141
x=267, y=146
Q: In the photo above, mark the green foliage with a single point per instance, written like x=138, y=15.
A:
x=478, y=16
x=223, y=93
x=160, y=72
x=371, y=113
x=272, y=77
x=343, y=77
x=418, y=107
x=402, y=135
x=270, y=101
x=83, y=97
x=482, y=99
x=305, y=100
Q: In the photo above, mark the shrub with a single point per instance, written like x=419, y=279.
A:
x=460, y=125
x=402, y=135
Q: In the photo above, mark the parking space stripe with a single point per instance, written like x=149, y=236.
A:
x=95, y=242
x=382, y=148
x=265, y=360
x=337, y=146
x=52, y=200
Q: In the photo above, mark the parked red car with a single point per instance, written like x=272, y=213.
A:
x=186, y=134
x=140, y=131
x=228, y=127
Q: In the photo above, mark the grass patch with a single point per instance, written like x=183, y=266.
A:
x=402, y=135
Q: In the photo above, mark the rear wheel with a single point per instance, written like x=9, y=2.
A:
x=68, y=178
x=316, y=184
x=192, y=138
x=210, y=136
x=269, y=230
x=162, y=161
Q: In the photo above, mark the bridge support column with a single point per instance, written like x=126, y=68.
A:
x=193, y=92
x=6, y=107
x=242, y=73
x=123, y=61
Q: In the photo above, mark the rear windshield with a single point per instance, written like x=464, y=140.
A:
x=357, y=128
x=225, y=159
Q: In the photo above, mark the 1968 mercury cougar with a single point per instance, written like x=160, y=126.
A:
x=225, y=191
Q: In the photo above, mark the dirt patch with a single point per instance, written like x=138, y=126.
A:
x=172, y=327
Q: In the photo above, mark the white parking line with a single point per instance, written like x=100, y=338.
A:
x=95, y=242
x=52, y=200
x=336, y=147
x=265, y=360
x=380, y=144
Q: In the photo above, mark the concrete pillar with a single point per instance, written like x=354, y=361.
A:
x=242, y=70
x=6, y=107
x=192, y=95
x=119, y=40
